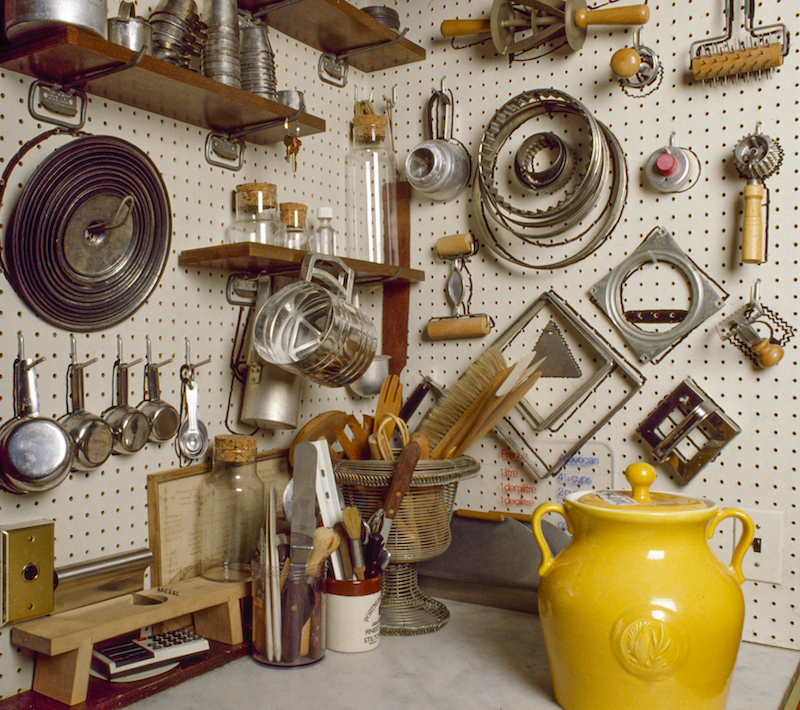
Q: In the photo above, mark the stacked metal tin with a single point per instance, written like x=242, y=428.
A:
x=220, y=57
x=256, y=57
x=177, y=32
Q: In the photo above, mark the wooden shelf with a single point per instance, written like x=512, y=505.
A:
x=251, y=257
x=335, y=26
x=153, y=85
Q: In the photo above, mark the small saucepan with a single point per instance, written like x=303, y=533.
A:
x=130, y=427
x=36, y=453
x=94, y=440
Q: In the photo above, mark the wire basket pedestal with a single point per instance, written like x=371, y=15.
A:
x=421, y=531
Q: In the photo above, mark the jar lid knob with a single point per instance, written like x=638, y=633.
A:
x=641, y=477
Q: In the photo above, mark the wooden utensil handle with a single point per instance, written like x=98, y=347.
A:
x=401, y=478
x=458, y=28
x=752, y=228
x=631, y=15
x=767, y=353
x=453, y=328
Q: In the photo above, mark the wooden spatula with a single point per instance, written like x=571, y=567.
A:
x=390, y=400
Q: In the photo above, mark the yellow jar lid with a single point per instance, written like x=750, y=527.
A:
x=640, y=497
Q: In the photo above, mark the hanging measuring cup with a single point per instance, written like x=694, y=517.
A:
x=130, y=427
x=94, y=440
x=312, y=326
x=440, y=167
x=164, y=418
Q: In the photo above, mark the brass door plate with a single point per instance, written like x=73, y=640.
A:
x=27, y=570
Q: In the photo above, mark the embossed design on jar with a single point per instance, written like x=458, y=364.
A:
x=649, y=643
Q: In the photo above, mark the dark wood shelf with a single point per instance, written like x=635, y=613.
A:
x=153, y=85
x=335, y=26
x=251, y=257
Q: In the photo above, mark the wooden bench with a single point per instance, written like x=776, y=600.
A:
x=63, y=642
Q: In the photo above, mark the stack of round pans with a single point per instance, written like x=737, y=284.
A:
x=90, y=234
x=257, y=59
x=220, y=56
x=177, y=32
x=551, y=181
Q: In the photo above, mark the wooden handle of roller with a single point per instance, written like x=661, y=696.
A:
x=451, y=328
x=631, y=15
x=457, y=28
x=752, y=228
x=455, y=245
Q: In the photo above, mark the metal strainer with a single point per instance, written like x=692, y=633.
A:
x=420, y=532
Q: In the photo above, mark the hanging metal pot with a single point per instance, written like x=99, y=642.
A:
x=94, y=440
x=131, y=428
x=36, y=453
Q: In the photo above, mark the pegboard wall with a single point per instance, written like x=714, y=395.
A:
x=104, y=511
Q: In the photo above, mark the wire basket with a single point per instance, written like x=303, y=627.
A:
x=421, y=531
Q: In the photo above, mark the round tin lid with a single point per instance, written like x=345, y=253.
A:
x=640, y=497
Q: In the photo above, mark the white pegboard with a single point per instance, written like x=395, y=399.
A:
x=104, y=511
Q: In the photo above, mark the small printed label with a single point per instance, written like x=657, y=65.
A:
x=616, y=498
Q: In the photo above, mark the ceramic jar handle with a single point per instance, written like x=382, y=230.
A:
x=744, y=541
x=536, y=525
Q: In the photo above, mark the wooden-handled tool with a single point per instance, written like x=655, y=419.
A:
x=401, y=480
x=460, y=28
x=577, y=18
x=353, y=525
x=756, y=157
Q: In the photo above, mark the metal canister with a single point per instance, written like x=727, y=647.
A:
x=25, y=18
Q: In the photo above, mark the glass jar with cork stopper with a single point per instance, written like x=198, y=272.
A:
x=256, y=216
x=293, y=216
x=370, y=192
x=231, y=510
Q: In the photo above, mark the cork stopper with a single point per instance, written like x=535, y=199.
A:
x=257, y=194
x=293, y=214
x=235, y=448
x=370, y=128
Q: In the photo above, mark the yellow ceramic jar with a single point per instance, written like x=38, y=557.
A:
x=637, y=612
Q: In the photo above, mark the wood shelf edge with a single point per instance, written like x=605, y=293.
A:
x=252, y=257
x=69, y=52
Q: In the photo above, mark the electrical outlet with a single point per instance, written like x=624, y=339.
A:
x=764, y=560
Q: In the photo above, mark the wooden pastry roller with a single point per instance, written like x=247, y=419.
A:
x=457, y=248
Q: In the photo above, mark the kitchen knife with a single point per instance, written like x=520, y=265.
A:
x=401, y=480
x=304, y=522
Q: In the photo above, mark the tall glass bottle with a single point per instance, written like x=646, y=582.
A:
x=256, y=216
x=231, y=510
x=371, y=200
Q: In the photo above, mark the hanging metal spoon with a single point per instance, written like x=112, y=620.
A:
x=192, y=436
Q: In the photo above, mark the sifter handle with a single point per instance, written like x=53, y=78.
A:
x=631, y=15
x=458, y=28
x=752, y=229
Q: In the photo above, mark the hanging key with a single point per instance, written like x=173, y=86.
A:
x=295, y=149
x=288, y=141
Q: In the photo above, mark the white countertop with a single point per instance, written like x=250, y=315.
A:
x=483, y=658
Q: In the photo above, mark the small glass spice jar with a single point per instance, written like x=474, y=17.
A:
x=231, y=510
x=256, y=216
x=293, y=216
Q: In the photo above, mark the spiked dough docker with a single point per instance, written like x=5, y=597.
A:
x=548, y=20
x=756, y=157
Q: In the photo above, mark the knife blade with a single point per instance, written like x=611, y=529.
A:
x=304, y=522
